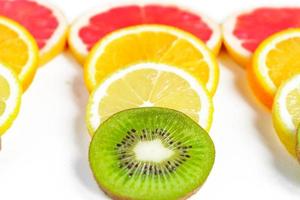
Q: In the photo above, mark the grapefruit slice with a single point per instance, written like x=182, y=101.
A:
x=94, y=25
x=244, y=31
x=45, y=22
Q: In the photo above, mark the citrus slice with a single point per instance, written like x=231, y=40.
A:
x=147, y=85
x=151, y=43
x=10, y=97
x=286, y=112
x=18, y=50
x=244, y=31
x=92, y=26
x=45, y=22
x=274, y=61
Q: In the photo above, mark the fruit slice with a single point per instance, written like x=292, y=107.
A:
x=45, y=22
x=286, y=112
x=298, y=145
x=151, y=43
x=275, y=60
x=150, y=155
x=149, y=84
x=18, y=50
x=244, y=31
x=10, y=97
x=91, y=27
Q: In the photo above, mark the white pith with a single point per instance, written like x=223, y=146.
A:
x=83, y=20
x=24, y=36
x=100, y=49
x=281, y=102
x=59, y=32
x=94, y=120
x=235, y=43
x=260, y=60
x=147, y=104
x=152, y=151
x=15, y=93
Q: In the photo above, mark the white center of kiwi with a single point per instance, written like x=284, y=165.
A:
x=152, y=151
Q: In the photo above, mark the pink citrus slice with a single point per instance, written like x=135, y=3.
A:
x=45, y=22
x=244, y=31
x=92, y=26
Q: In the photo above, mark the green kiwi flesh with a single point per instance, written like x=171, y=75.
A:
x=123, y=175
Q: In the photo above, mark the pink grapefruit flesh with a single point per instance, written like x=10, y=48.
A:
x=266, y=21
x=44, y=22
x=245, y=31
x=91, y=27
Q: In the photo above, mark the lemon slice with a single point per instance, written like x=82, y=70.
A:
x=286, y=112
x=18, y=50
x=151, y=43
x=149, y=84
x=275, y=60
x=10, y=97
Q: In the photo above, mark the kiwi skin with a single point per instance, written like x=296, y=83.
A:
x=116, y=197
x=124, y=198
x=108, y=193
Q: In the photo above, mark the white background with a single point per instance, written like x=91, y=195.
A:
x=44, y=154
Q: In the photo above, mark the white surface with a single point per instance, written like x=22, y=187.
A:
x=44, y=154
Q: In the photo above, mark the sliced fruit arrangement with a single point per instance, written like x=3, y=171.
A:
x=244, y=31
x=275, y=60
x=151, y=43
x=10, y=97
x=18, y=50
x=286, y=112
x=146, y=85
x=135, y=58
x=88, y=29
x=151, y=153
x=45, y=22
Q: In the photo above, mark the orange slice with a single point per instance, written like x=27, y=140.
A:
x=45, y=22
x=18, y=50
x=155, y=44
x=275, y=60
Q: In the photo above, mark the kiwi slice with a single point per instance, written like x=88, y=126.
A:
x=151, y=154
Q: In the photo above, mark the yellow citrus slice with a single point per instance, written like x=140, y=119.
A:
x=149, y=84
x=18, y=50
x=151, y=43
x=286, y=112
x=275, y=60
x=10, y=97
